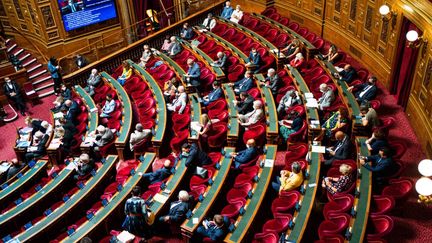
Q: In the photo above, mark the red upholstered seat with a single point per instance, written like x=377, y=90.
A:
x=310, y=37
x=217, y=135
x=386, y=123
x=222, y=115
x=296, y=151
x=379, y=226
x=229, y=33
x=266, y=237
x=362, y=74
x=271, y=35
x=331, y=238
x=335, y=224
x=399, y=147
x=281, y=40
x=208, y=45
x=201, y=38
x=251, y=23
x=238, y=194
x=236, y=73
x=141, y=147
x=300, y=135
x=257, y=132
x=178, y=141
x=381, y=205
x=375, y=104
x=341, y=203
x=269, y=11
x=284, y=21
x=262, y=29
x=255, y=93
x=249, y=163
x=277, y=225
x=275, y=16
x=285, y=203
x=219, y=29
x=319, y=44
x=217, y=106
x=109, y=147
x=399, y=189
x=294, y=26
x=233, y=210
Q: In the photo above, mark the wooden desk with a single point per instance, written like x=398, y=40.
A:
x=272, y=128
x=195, y=115
x=127, y=116
x=233, y=124
x=212, y=192
x=93, y=117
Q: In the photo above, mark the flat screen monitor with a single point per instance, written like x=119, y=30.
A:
x=80, y=13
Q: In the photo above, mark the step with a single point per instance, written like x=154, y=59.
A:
x=24, y=56
x=44, y=86
x=7, y=41
x=37, y=74
x=25, y=64
x=48, y=91
x=17, y=52
x=41, y=79
x=11, y=48
x=33, y=67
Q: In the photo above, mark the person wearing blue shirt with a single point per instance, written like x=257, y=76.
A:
x=54, y=70
x=381, y=165
x=187, y=32
x=244, y=84
x=254, y=59
x=159, y=175
x=194, y=156
x=214, y=95
x=227, y=10
x=177, y=211
x=109, y=106
x=212, y=229
x=193, y=74
x=246, y=155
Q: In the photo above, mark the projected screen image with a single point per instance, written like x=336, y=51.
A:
x=80, y=13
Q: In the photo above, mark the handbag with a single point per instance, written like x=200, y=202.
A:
x=202, y=172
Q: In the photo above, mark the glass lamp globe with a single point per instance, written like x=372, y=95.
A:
x=425, y=167
x=412, y=35
x=384, y=10
x=424, y=186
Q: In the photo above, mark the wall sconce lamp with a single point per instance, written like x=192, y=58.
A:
x=415, y=41
x=424, y=185
x=388, y=15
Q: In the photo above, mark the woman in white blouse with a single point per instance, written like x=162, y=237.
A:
x=236, y=15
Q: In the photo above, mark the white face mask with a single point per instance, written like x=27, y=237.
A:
x=248, y=146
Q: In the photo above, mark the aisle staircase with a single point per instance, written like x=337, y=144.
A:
x=37, y=71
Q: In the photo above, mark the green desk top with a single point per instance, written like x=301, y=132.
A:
x=228, y=44
x=343, y=89
x=172, y=63
x=36, y=197
x=126, y=108
x=251, y=33
x=211, y=193
x=286, y=29
x=88, y=100
x=171, y=186
x=360, y=221
x=307, y=201
x=217, y=70
x=244, y=221
x=36, y=169
x=161, y=116
x=269, y=106
x=116, y=201
x=312, y=113
x=195, y=112
x=59, y=212
x=233, y=124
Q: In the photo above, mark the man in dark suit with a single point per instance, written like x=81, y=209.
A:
x=178, y=210
x=39, y=142
x=159, y=175
x=341, y=150
x=193, y=73
x=174, y=47
x=72, y=110
x=246, y=155
x=272, y=81
x=80, y=61
x=222, y=62
x=381, y=165
x=15, y=167
x=214, y=95
x=348, y=74
x=66, y=93
x=12, y=91
x=84, y=166
x=215, y=229
x=254, y=59
x=187, y=32
x=244, y=84
x=366, y=91
x=245, y=105
x=194, y=156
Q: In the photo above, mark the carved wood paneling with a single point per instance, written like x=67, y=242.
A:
x=18, y=9
x=2, y=9
x=48, y=17
x=353, y=10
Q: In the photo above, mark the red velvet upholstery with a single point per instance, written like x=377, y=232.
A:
x=294, y=26
x=296, y=151
x=335, y=224
x=257, y=132
x=284, y=21
x=255, y=93
x=300, y=135
x=236, y=73
x=285, y=203
x=217, y=106
x=232, y=210
x=341, y=203
x=381, y=204
x=217, y=135
x=399, y=189
x=380, y=226
x=277, y=225
x=266, y=237
x=238, y=194
x=399, y=146
x=178, y=141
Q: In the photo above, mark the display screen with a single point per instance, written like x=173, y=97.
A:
x=79, y=13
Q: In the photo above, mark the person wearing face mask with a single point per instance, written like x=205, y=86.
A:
x=244, y=84
x=92, y=82
x=193, y=73
x=254, y=59
x=37, y=149
x=272, y=81
x=244, y=156
x=12, y=90
x=227, y=10
x=290, y=99
x=326, y=98
x=365, y=91
x=252, y=117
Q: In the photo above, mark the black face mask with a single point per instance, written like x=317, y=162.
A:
x=371, y=83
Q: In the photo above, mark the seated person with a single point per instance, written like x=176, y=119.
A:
x=103, y=136
x=138, y=135
x=237, y=15
x=108, y=107
x=221, y=62
x=381, y=165
x=369, y=116
x=246, y=155
x=14, y=167
x=92, y=82
x=254, y=59
x=341, y=150
x=252, y=117
x=159, y=175
x=127, y=72
x=186, y=32
x=193, y=73
x=227, y=10
x=214, y=95
x=80, y=61
x=348, y=74
x=209, y=22
x=166, y=44
x=366, y=91
x=326, y=98
x=272, y=81
x=84, y=166
x=48, y=128
x=215, y=229
x=292, y=124
x=58, y=103
x=332, y=54
x=146, y=55
x=170, y=89
x=177, y=211
x=298, y=61
x=203, y=126
x=175, y=47
x=289, y=180
x=244, y=84
x=194, y=156
x=245, y=105
x=37, y=148
x=34, y=123
x=179, y=102
x=377, y=141
x=341, y=183
x=290, y=99
x=339, y=121
x=291, y=50
x=72, y=110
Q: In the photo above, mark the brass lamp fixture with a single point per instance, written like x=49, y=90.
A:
x=388, y=15
x=424, y=185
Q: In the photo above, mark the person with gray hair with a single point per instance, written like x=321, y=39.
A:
x=221, y=62
x=138, y=135
x=178, y=210
x=252, y=117
x=146, y=55
x=47, y=127
x=272, y=81
x=174, y=47
x=103, y=136
x=209, y=22
x=289, y=180
x=180, y=101
x=84, y=166
x=93, y=81
x=326, y=98
x=14, y=167
x=37, y=149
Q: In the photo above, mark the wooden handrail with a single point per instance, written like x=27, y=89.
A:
x=37, y=49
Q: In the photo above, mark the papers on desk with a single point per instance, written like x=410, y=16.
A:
x=72, y=165
x=196, y=126
x=308, y=95
x=195, y=43
x=55, y=143
x=311, y=103
x=32, y=148
x=89, y=141
x=94, y=109
x=125, y=237
x=26, y=130
x=58, y=115
x=314, y=123
x=318, y=149
x=195, y=220
x=4, y=167
x=160, y=198
x=23, y=144
x=268, y=163
x=339, y=69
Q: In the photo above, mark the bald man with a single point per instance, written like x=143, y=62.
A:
x=158, y=175
x=92, y=82
x=340, y=151
x=244, y=156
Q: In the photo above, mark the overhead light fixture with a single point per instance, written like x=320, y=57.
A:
x=388, y=15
